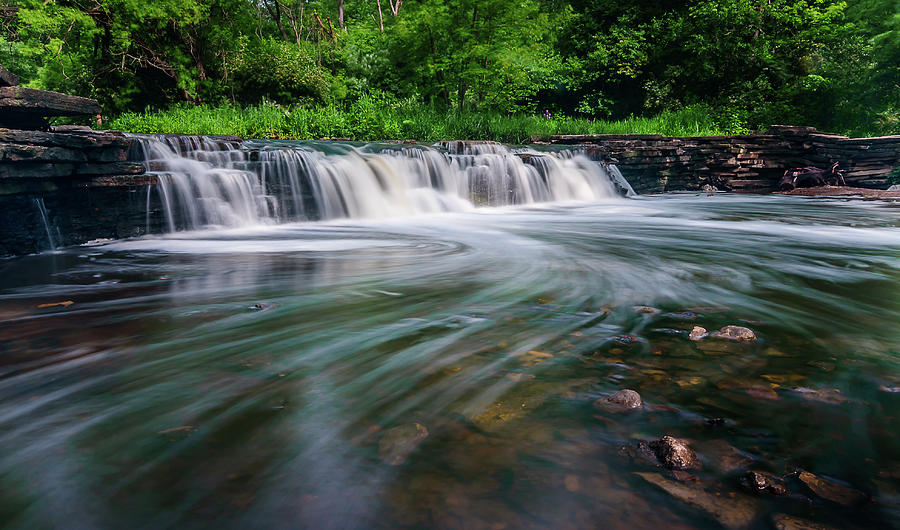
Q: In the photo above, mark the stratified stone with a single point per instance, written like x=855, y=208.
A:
x=38, y=153
x=16, y=99
x=110, y=168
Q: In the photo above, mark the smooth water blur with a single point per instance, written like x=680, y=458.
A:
x=245, y=378
x=208, y=182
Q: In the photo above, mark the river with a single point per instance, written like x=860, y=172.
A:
x=448, y=369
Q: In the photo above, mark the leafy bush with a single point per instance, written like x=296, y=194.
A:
x=278, y=70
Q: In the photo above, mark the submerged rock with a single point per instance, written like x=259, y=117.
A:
x=735, y=333
x=763, y=482
x=831, y=396
x=622, y=401
x=398, y=443
x=683, y=315
x=673, y=453
x=639, y=452
x=724, y=457
x=698, y=333
x=646, y=310
x=788, y=522
x=832, y=491
x=731, y=512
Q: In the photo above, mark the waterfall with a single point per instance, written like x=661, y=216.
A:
x=207, y=181
x=42, y=210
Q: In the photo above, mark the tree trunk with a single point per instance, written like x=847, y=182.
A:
x=340, y=4
x=395, y=8
x=380, y=17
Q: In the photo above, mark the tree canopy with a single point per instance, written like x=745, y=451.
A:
x=831, y=64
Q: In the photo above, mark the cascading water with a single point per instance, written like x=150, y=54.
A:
x=42, y=210
x=212, y=182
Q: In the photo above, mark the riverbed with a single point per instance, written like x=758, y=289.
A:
x=450, y=370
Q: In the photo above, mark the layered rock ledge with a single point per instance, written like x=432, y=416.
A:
x=748, y=163
x=72, y=184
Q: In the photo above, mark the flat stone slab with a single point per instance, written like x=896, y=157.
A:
x=31, y=101
x=8, y=78
x=71, y=138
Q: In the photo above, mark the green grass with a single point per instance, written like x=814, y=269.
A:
x=369, y=119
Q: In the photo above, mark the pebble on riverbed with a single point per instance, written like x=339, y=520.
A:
x=763, y=482
x=398, y=443
x=673, y=453
x=698, y=333
x=626, y=400
x=735, y=333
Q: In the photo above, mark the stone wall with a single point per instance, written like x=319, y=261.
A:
x=747, y=163
x=86, y=183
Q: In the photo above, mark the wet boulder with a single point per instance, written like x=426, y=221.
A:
x=398, y=443
x=735, y=333
x=698, y=333
x=626, y=400
x=762, y=482
x=673, y=453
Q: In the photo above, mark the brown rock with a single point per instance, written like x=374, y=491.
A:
x=787, y=522
x=45, y=103
x=736, y=333
x=832, y=491
x=622, y=401
x=762, y=482
x=698, y=333
x=398, y=443
x=730, y=512
x=8, y=78
x=674, y=453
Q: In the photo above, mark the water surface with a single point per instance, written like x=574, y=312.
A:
x=247, y=377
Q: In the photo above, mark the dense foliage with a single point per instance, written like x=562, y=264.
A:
x=746, y=63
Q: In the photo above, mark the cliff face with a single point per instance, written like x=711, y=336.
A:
x=749, y=163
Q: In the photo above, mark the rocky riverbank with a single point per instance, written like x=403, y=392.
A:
x=70, y=185
x=747, y=163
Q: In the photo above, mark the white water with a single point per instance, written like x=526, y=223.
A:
x=206, y=182
x=42, y=210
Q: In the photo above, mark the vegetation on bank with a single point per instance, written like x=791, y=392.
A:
x=369, y=119
x=454, y=66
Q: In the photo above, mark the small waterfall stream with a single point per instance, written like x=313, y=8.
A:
x=206, y=181
x=45, y=220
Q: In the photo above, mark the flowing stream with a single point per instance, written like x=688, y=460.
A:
x=435, y=349
x=205, y=182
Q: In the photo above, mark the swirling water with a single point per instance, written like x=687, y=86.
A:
x=250, y=377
